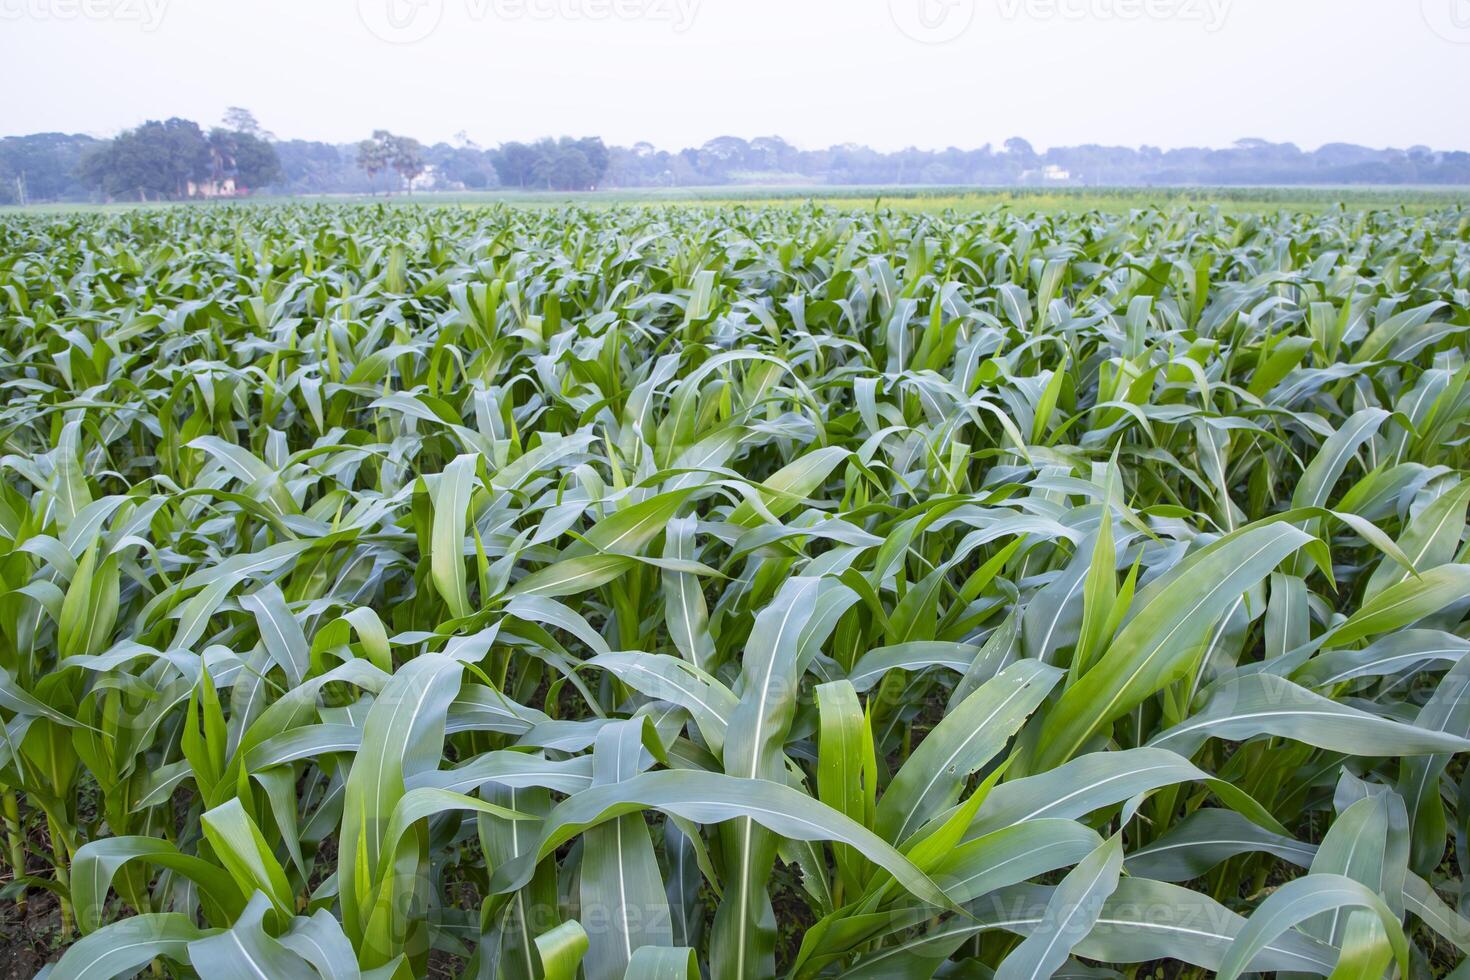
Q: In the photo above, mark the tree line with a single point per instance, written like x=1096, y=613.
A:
x=177, y=158
x=555, y=165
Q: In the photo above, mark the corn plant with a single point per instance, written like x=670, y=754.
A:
x=736, y=592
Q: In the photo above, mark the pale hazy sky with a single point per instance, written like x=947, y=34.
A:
x=890, y=73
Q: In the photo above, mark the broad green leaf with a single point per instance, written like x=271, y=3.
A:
x=1404, y=604
x=1158, y=644
x=238, y=844
x=573, y=576
x=246, y=951
x=743, y=937
x=847, y=770
x=969, y=737
x=1299, y=900
x=651, y=963
x=620, y=886
x=403, y=736
x=561, y=950
x=684, y=605
x=98, y=862
x=446, y=557
x=1264, y=704
x=1448, y=711
x=707, y=797
x=129, y=945
x=1070, y=914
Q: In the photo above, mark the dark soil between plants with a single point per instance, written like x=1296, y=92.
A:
x=31, y=938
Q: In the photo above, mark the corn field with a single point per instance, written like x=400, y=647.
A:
x=736, y=592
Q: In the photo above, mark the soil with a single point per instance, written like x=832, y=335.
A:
x=443, y=966
x=30, y=939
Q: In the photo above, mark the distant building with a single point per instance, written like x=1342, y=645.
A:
x=431, y=180
x=1049, y=174
x=215, y=188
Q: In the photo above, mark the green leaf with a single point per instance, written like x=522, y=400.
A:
x=847, y=771
x=561, y=950
x=685, y=611
x=446, y=555
x=127, y=946
x=969, y=737
x=1299, y=900
x=1206, y=838
x=1070, y=914
x=1431, y=539
x=1404, y=604
x=280, y=632
x=708, y=797
x=744, y=936
x=97, y=862
x=1264, y=704
x=790, y=485
x=1448, y=711
x=1158, y=644
x=1366, y=950
x=242, y=849
x=573, y=576
x=651, y=963
x=246, y=952
x=620, y=885
x=403, y=736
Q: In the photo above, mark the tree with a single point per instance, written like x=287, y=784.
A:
x=250, y=160
x=515, y=165
x=597, y=156
x=375, y=155
x=319, y=168
x=406, y=157
x=727, y=151
x=565, y=169
x=468, y=166
x=243, y=121
x=556, y=165
x=772, y=153
x=44, y=165
x=1022, y=150
x=156, y=160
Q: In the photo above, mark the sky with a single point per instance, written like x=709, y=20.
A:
x=888, y=73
